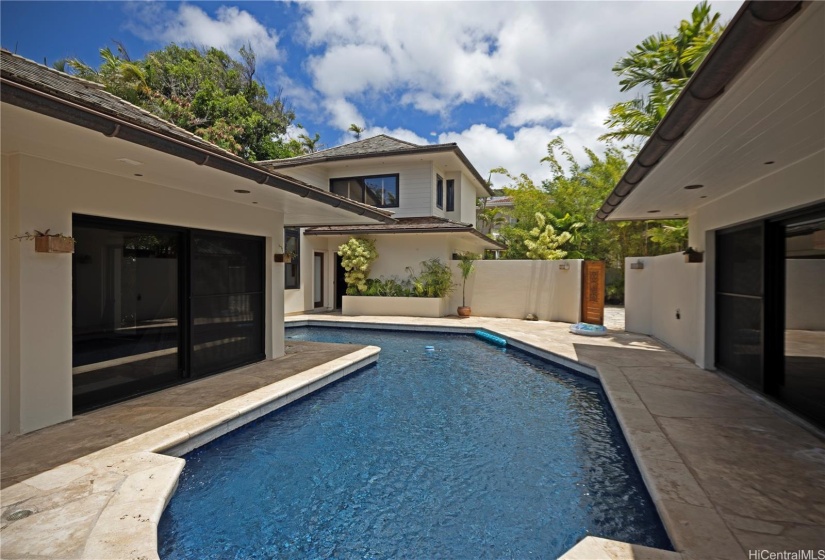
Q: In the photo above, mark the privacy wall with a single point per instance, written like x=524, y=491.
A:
x=505, y=288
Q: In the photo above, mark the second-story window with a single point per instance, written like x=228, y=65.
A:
x=439, y=192
x=381, y=191
x=450, y=195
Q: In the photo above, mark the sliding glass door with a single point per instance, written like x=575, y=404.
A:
x=154, y=306
x=770, y=309
x=802, y=381
x=126, y=310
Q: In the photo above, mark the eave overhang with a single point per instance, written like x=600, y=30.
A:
x=751, y=28
x=30, y=98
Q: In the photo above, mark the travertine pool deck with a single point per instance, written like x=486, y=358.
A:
x=727, y=471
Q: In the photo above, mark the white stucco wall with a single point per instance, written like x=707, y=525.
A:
x=505, y=288
x=667, y=285
x=37, y=343
x=468, y=201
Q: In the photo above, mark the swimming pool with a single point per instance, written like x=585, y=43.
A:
x=465, y=451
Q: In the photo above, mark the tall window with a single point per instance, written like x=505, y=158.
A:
x=450, y=195
x=439, y=192
x=381, y=191
x=292, y=270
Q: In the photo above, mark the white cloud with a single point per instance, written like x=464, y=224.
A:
x=544, y=62
x=231, y=29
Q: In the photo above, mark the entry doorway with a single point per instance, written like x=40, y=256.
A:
x=318, y=280
x=340, y=283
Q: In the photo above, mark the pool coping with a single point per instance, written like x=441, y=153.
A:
x=114, y=497
x=697, y=525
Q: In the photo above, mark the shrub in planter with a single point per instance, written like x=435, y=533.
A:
x=357, y=256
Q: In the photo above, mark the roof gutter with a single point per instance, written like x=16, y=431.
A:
x=44, y=103
x=752, y=26
x=377, y=231
x=278, y=164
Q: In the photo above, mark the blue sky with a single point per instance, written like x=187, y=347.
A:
x=500, y=78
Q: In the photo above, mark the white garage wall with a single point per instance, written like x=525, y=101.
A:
x=41, y=194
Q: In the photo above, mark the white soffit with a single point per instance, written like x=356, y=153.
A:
x=774, y=111
x=30, y=133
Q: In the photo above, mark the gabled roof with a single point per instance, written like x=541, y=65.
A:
x=376, y=146
x=426, y=224
x=38, y=88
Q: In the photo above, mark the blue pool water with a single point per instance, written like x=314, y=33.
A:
x=464, y=451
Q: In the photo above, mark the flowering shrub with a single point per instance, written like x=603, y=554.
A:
x=544, y=243
x=357, y=255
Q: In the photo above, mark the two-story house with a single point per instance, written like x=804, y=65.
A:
x=431, y=190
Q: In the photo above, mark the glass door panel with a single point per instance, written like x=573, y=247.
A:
x=227, y=301
x=802, y=385
x=739, y=304
x=126, y=312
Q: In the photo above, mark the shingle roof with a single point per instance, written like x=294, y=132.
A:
x=377, y=146
x=39, y=88
x=427, y=224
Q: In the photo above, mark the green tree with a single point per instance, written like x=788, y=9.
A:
x=309, y=144
x=663, y=64
x=204, y=91
x=356, y=130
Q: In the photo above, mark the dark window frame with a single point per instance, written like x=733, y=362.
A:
x=439, y=192
x=362, y=179
x=450, y=195
x=293, y=269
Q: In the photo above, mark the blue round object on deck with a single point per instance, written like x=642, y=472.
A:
x=587, y=329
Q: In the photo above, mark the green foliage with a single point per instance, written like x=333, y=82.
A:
x=434, y=281
x=356, y=130
x=543, y=243
x=466, y=264
x=357, y=256
x=662, y=64
x=671, y=235
x=204, y=91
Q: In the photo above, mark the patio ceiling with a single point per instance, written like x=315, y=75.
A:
x=769, y=117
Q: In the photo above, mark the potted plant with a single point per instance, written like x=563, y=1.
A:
x=285, y=257
x=45, y=242
x=466, y=264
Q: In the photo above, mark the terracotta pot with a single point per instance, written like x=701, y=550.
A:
x=464, y=311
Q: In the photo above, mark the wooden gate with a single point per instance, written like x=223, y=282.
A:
x=593, y=292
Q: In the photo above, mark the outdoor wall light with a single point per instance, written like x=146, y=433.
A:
x=564, y=266
x=638, y=265
x=693, y=256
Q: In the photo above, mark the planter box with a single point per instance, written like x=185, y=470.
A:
x=401, y=306
x=49, y=244
x=282, y=258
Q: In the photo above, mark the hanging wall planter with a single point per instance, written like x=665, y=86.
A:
x=45, y=242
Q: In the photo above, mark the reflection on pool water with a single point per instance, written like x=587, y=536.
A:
x=464, y=450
